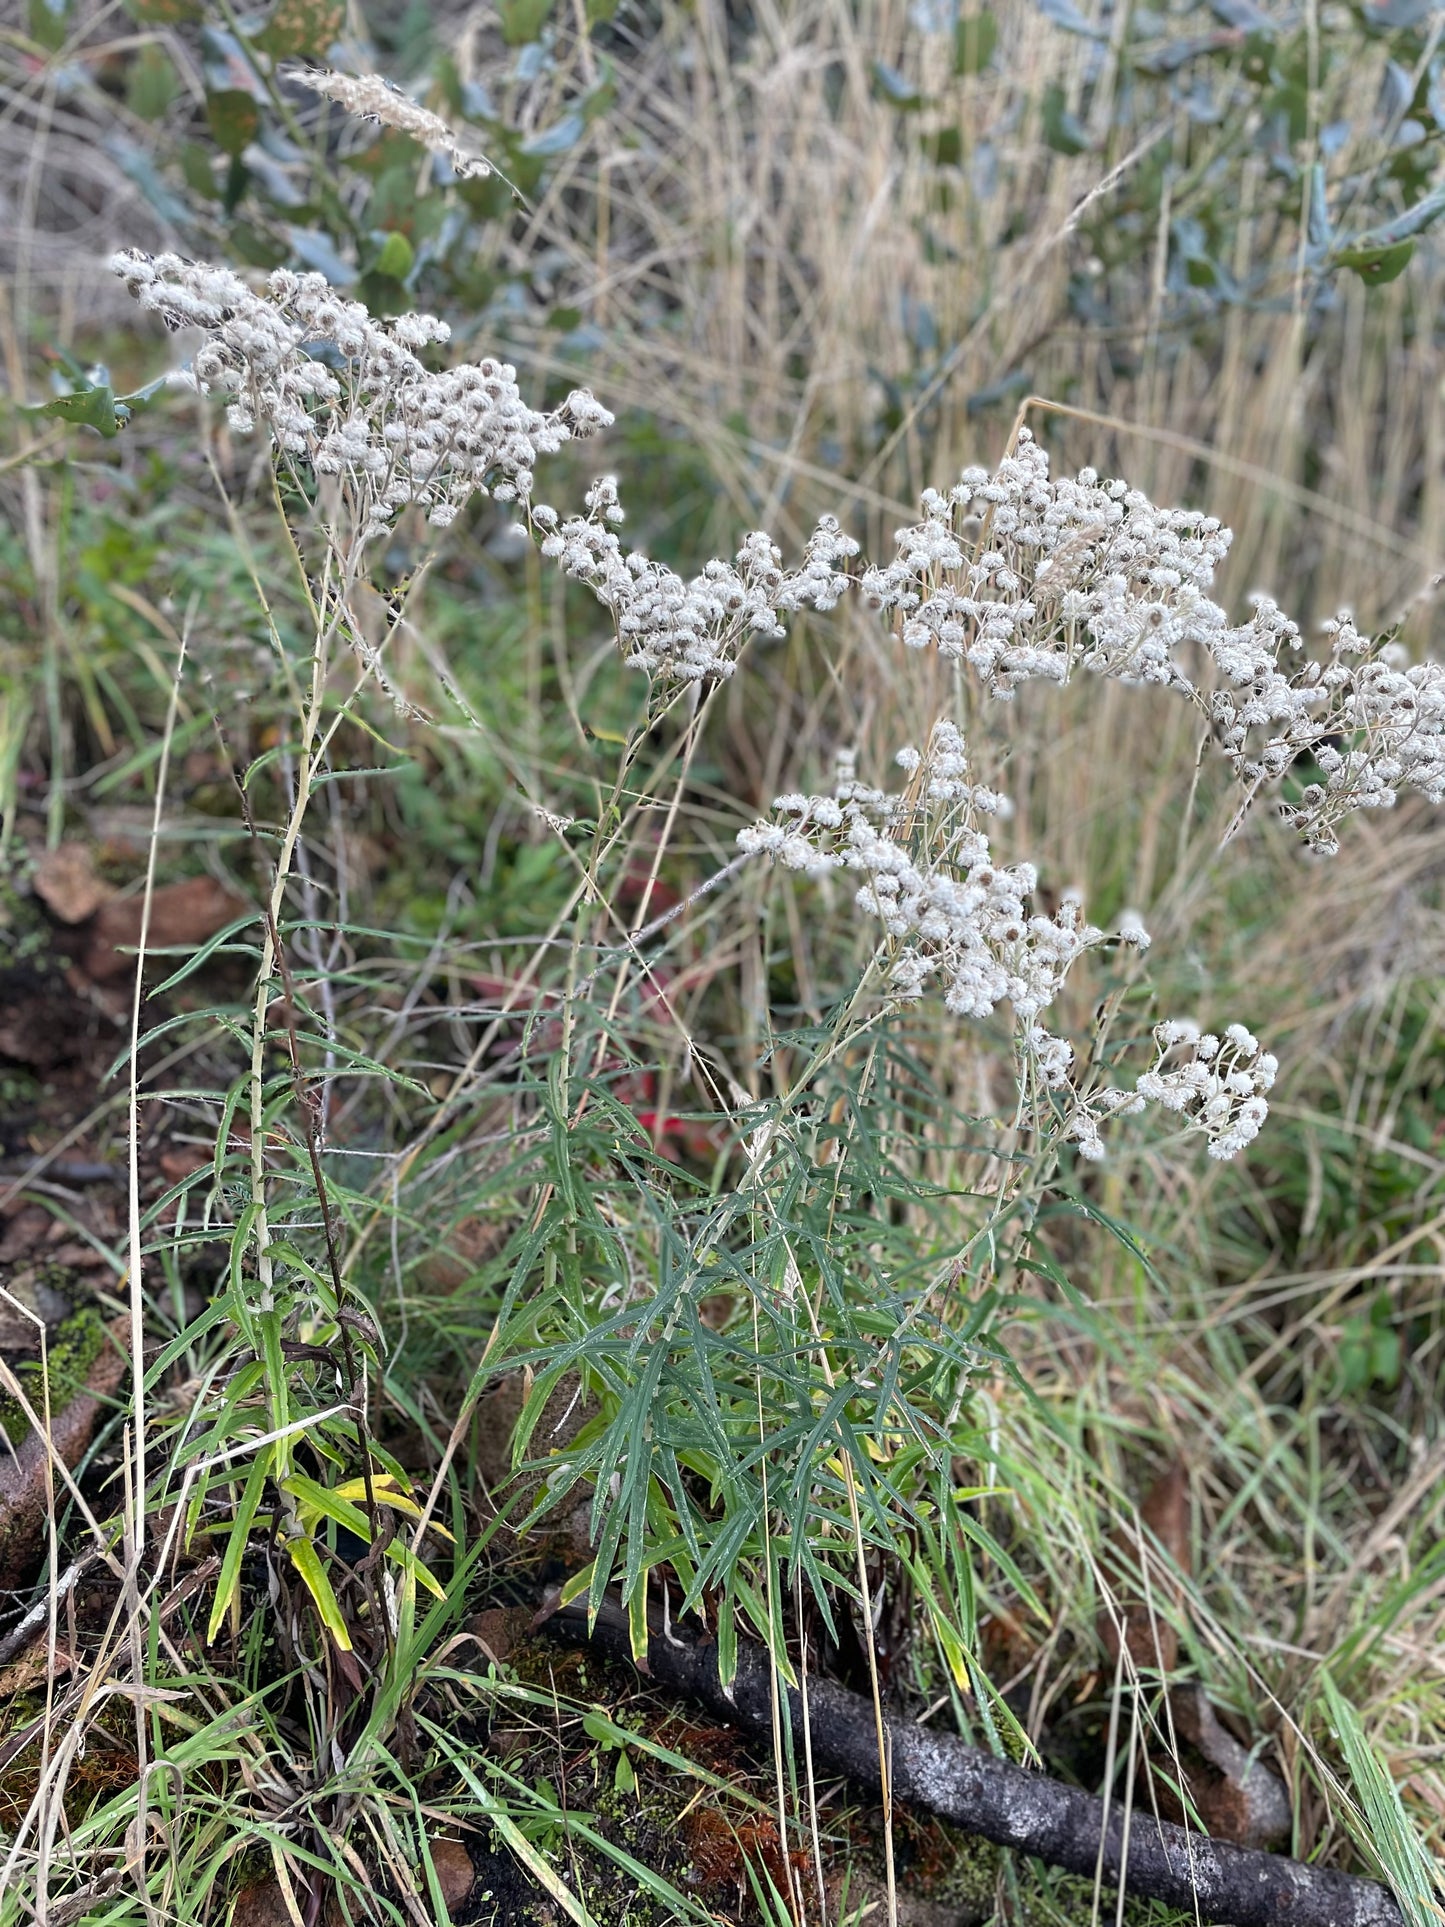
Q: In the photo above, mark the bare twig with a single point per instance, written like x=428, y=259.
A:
x=1008, y=1804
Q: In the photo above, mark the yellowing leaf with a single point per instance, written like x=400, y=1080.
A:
x=385, y=1491
x=307, y=1562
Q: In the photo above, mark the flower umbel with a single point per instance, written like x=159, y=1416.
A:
x=690, y=631
x=930, y=879
x=1217, y=1085
x=1017, y=573
x=1025, y=576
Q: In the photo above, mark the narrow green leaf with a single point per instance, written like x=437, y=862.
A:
x=196, y=959
x=1389, y=1832
x=49, y=23
x=540, y=1868
x=230, y=1576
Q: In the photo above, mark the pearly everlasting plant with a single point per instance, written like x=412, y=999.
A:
x=690, y=630
x=1018, y=574
x=1014, y=573
x=952, y=916
x=1024, y=576
x=335, y=387
x=806, y=1234
x=1216, y=1084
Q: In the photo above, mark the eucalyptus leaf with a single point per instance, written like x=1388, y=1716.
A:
x=1386, y=16
x=91, y=402
x=1244, y=16
x=1321, y=229
x=560, y=138
x=1063, y=13
x=234, y=118
x=1063, y=131
x=1376, y=265
x=138, y=167
x=896, y=88
x=1381, y=253
x=974, y=39
x=522, y=20
x=302, y=27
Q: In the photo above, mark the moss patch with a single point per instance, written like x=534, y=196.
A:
x=701, y=1839
x=72, y=1349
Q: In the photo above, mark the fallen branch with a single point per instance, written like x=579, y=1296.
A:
x=1007, y=1804
x=27, y=1471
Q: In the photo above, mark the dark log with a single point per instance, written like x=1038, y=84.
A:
x=999, y=1801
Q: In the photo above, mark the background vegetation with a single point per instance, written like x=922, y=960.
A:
x=815, y=258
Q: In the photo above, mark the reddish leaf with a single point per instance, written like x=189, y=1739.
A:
x=66, y=883
x=182, y=915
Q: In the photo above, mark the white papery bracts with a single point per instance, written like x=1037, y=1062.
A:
x=962, y=923
x=691, y=631
x=332, y=385
x=1025, y=576
x=956, y=919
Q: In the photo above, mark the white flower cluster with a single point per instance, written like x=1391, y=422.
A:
x=1024, y=576
x=1216, y=1084
x=968, y=923
x=370, y=97
x=690, y=631
x=929, y=878
x=1382, y=730
x=347, y=392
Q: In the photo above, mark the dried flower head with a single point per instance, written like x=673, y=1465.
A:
x=370, y=97
x=1216, y=1084
x=954, y=916
x=1024, y=576
x=690, y=631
